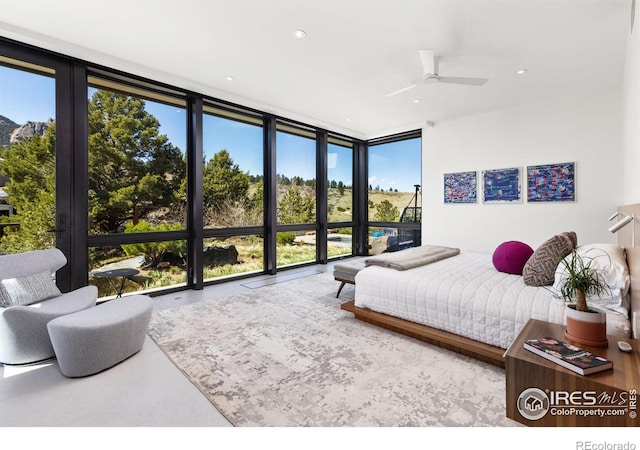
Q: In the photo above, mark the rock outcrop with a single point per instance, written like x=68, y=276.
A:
x=29, y=129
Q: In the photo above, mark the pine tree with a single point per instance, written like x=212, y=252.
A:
x=133, y=169
x=294, y=207
x=30, y=166
x=386, y=212
x=223, y=181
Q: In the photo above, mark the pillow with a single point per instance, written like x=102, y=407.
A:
x=28, y=290
x=5, y=300
x=611, y=262
x=511, y=256
x=541, y=267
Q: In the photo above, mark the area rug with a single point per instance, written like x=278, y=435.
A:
x=287, y=355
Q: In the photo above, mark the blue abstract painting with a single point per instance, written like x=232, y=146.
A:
x=501, y=185
x=461, y=187
x=551, y=183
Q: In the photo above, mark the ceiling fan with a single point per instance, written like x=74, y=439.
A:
x=430, y=75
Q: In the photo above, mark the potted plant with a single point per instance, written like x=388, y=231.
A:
x=584, y=324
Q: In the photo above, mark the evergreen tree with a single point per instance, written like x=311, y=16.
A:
x=386, y=212
x=30, y=166
x=223, y=181
x=294, y=207
x=133, y=169
x=256, y=202
x=341, y=188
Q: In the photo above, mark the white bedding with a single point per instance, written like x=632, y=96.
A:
x=463, y=294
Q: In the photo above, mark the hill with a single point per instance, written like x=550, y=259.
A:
x=7, y=126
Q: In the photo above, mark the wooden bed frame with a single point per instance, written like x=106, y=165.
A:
x=485, y=352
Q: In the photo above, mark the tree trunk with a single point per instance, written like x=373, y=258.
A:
x=581, y=301
x=136, y=214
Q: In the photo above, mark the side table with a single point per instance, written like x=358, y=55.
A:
x=543, y=393
x=112, y=275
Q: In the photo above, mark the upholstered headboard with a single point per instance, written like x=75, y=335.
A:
x=625, y=238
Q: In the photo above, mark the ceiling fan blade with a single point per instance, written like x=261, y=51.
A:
x=463, y=80
x=391, y=94
x=428, y=62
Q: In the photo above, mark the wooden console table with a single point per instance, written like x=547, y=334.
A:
x=542, y=393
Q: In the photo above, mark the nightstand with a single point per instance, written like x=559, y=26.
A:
x=543, y=393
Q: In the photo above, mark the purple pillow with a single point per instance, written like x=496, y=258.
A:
x=511, y=256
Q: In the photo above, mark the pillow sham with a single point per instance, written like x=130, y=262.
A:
x=540, y=268
x=611, y=262
x=28, y=290
x=511, y=256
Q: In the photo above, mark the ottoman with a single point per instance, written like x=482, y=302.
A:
x=95, y=339
x=346, y=272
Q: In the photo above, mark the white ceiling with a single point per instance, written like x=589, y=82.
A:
x=355, y=51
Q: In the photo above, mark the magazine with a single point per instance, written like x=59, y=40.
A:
x=567, y=355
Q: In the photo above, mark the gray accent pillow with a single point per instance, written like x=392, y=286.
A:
x=5, y=300
x=540, y=268
x=28, y=290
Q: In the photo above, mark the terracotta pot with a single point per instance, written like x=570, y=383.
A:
x=589, y=328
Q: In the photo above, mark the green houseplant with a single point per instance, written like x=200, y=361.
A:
x=579, y=281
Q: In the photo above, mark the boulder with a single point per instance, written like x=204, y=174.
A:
x=219, y=255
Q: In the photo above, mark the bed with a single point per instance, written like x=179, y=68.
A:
x=464, y=304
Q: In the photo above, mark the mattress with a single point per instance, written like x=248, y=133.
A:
x=463, y=294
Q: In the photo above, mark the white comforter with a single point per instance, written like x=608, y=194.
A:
x=463, y=294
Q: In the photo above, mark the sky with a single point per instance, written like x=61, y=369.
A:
x=25, y=96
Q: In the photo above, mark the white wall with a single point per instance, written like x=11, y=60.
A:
x=631, y=100
x=585, y=130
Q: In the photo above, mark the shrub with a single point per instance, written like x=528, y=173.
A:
x=153, y=251
x=285, y=238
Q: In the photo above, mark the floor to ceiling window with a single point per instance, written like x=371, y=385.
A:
x=137, y=184
x=340, y=206
x=233, y=193
x=178, y=189
x=296, y=195
x=394, y=196
x=27, y=156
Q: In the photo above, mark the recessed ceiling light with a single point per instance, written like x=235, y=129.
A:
x=348, y=120
x=522, y=71
x=417, y=100
x=299, y=34
x=229, y=78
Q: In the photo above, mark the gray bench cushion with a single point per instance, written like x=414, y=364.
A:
x=347, y=271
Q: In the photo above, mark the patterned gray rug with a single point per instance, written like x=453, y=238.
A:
x=286, y=355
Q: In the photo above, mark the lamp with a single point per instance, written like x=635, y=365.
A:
x=622, y=223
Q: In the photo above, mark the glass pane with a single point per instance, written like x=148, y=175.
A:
x=137, y=163
x=233, y=181
x=386, y=240
x=233, y=256
x=295, y=247
x=339, y=242
x=27, y=157
x=158, y=265
x=394, y=180
x=296, y=178
x=339, y=181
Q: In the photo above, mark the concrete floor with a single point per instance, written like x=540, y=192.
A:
x=146, y=390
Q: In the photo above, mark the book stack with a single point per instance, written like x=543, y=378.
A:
x=567, y=355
